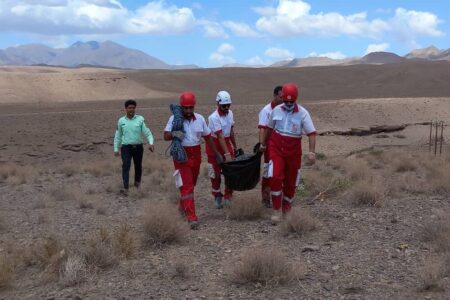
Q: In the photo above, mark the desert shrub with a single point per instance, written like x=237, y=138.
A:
x=124, y=241
x=370, y=193
x=73, y=271
x=437, y=231
x=14, y=174
x=163, y=224
x=267, y=266
x=245, y=209
x=100, y=252
x=6, y=272
x=298, y=222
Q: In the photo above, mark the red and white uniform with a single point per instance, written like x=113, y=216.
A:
x=285, y=150
x=219, y=122
x=186, y=174
x=264, y=116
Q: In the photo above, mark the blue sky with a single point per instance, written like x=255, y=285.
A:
x=213, y=33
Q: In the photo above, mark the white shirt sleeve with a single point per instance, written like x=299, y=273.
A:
x=206, y=131
x=169, y=125
x=263, y=118
x=214, y=124
x=271, y=122
x=307, y=123
x=231, y=118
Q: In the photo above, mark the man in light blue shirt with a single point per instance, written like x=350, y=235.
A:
x=129, y=135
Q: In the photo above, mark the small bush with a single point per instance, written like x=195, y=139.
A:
x=163, y=225
x=433, y=271
x=6, y=272
x=298, y=222
x=245, y=209
x=84, y=202
x=100, y=252
x=372, y=193
x=266, y=266
x=73, y=271
x=180, y=268
x=437, y=231
x=124, y=241
x=15, y=174
x=64, y=194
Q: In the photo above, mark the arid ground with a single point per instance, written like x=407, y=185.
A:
x=372, y=217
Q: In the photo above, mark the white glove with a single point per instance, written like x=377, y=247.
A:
x=178, y=134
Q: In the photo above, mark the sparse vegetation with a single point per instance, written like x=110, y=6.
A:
x=180, y=268
x=64, y=193
x=73, y=271
x=6, y=272
x=100, y=252
x=245, y=209
x=433, y=271
x=298, y=222
x=124, y=241
x=372, y=193
x=163, y=224
x=266, y=266
x=437, y=231
x=14, y=174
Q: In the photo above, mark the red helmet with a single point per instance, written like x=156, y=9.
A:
x=187, y=99
x=289, y=92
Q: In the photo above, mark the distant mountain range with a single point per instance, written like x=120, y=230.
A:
x=113, y=55
x=104, y=54
x=431, y=53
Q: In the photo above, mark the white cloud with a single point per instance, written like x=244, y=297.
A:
x=54, y=17
x=332, y=55
x=222, y=55
x=225, y=48
x=377, y=48
x=257, y=61
x=213, y=29
x=294, y=18
x=407, y=25
x=240, y=29
x=279, y=53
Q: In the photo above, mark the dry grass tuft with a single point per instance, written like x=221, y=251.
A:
x=245, y=209
x=371, y=193
x=405, y=164
x=100, y=252
x=139, y=193
x=356, y=168
x=101, y=210
x=85, y=202
x=2, y=224
x=433, y=271
x=14, y=174
x=99, y=169
x=163, y=225
x=124, y=241
x=6, y=272
x=266, y=266
x=437, y=231
x=299, y=222
x=180, y=268
x=69, y=169
x=64, y=193
x=73, y=271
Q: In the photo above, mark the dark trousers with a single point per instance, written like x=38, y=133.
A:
x=136, y=153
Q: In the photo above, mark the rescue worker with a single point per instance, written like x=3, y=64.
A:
x=221, y=123
x=286, y=124
x=264, y=115
x=129, y=132
x=186, y=173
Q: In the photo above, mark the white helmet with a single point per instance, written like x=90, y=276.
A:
x=223, y=97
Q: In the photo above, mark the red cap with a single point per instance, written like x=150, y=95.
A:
x=289, y=92
x=187, y=99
